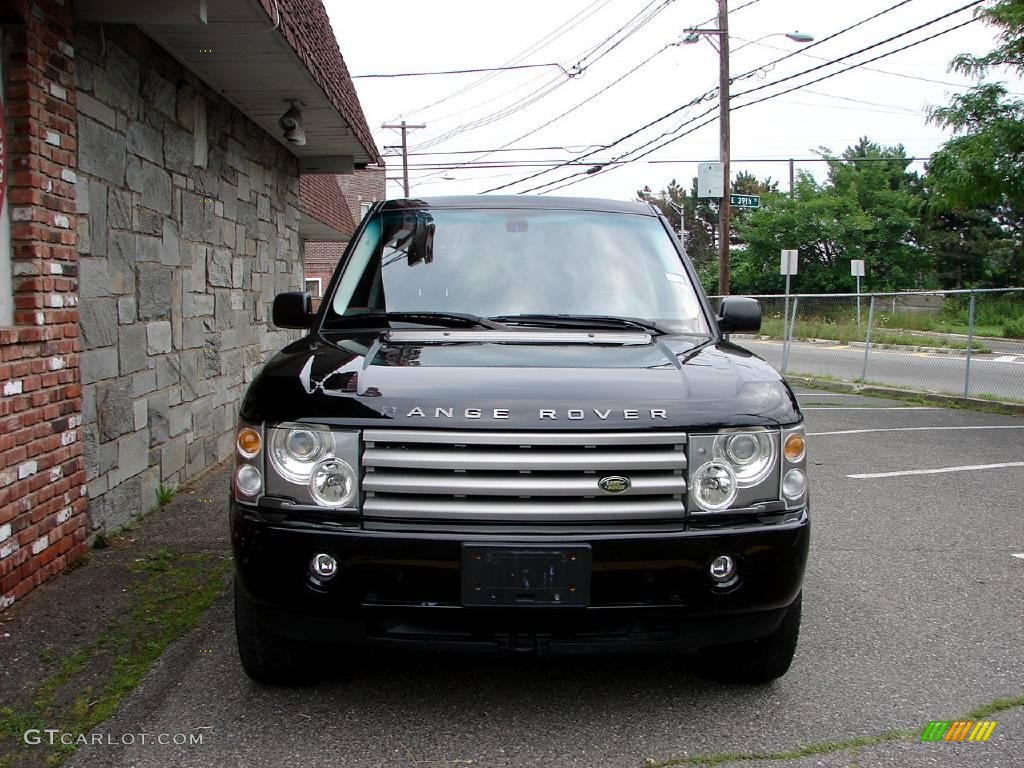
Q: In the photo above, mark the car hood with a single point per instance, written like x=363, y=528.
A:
x=451, y=379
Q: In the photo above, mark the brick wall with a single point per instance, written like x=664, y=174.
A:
x=360, y=187
x=42, y=507
x=320, y=197
x=321, y=258
x=367, y=185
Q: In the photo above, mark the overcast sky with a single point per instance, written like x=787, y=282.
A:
x=890, y=107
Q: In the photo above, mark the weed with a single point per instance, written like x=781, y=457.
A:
x=164, y=494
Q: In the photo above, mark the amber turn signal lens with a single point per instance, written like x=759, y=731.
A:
x=795, y=447
x=249, y=442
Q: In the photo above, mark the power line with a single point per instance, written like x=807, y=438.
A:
x=816, y=43
x=571, y=23
x=566, y=72
x=757, y=101
x=710, y=94
x=587, y=59
x=563, y=147
x=596, y=94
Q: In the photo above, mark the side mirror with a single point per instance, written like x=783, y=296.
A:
x=293, y=310
x=738, y=314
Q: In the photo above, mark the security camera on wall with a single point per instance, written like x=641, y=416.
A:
x=291, y=126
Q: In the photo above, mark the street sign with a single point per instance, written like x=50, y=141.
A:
x=857, y=267
x=788, y=264
x=745, y=201
x=710, y=180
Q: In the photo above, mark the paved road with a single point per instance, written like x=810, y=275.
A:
x=912, y=613
x=999, y=375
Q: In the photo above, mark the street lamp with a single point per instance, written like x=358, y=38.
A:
x=725, y=209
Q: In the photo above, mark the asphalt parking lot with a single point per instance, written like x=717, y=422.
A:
x=913, y=612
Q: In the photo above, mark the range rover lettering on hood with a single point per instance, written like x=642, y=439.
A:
x=572, y=414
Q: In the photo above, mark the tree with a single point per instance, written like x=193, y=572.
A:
x=983, y=164
x=868, y=208
x=975, y=182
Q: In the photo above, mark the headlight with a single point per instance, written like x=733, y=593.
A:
x=715, y=486
x=333, y=483
x=313, y=465
x=750, y=453
x=294, y=452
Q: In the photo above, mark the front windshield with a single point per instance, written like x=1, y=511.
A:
x=518, y=262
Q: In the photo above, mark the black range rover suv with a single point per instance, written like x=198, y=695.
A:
x=515, y=424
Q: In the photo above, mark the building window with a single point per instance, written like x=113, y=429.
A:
x=314, y=286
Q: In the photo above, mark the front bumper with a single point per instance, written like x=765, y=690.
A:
x=648, y=590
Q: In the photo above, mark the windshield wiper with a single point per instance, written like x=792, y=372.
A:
x=450, y=319
x=582, y=321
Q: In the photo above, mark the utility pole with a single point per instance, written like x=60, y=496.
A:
x=404, y=128
x=792, y=175
x=725, y=209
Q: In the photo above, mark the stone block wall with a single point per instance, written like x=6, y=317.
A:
x=42, y=506
x=183, y=244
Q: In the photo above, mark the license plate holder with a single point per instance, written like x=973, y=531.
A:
x=525, y=575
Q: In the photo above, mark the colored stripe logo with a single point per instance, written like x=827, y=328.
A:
x=958, y=730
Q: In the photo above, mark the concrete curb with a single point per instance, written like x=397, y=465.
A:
x=861, y=345
x=973, y=403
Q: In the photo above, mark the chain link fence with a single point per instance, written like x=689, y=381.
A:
x=967, y=343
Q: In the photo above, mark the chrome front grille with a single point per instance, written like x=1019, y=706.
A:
x=442, y=478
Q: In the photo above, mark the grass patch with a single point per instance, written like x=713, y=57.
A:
x=1000, y=404
x=829, y=747
x=846, y=331
x=168, y=594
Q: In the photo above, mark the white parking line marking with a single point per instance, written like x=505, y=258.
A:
x=871, y=408
x=911, y=429
x=939, y=471
x=1018, y=554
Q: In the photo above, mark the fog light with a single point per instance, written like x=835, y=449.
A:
x=722, y=569
x=248, y=480
x=793, y=484
x=323, y=566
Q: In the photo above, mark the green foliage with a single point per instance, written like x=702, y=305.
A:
x=1014, y=328
x=975, y=182
x=168, y=593
x=164, y=494
x=868, y=208
x=1007, y=16
x=983, y=164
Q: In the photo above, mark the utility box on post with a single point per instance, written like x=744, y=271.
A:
x=710, y=180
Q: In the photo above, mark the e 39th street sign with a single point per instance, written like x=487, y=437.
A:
x=745, y=201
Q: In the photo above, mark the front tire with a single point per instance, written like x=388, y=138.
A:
x=269, y=658
x=761, y=660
